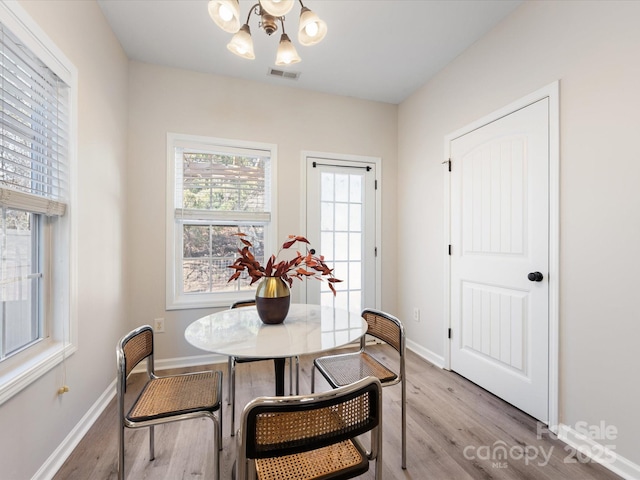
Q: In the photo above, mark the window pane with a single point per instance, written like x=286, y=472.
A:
x=326, y=187
x=341, y=301
x=326, y=216
x=355, y=246
x=212, y=181
x=342, y=188
x=326, y=240
x=196, y=241
x=341, y=271
x=355, y=217
x=209, y=250
x=196, y=276
x=326, y=299
x=19, y=281
x=355, y=275
x=355, y=301
x=342, y=217
x=355, y=188
x=342, y=246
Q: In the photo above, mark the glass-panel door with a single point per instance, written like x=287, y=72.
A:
x=341, y=226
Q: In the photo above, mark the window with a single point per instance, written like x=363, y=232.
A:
x=35, y=187
x=217, y=188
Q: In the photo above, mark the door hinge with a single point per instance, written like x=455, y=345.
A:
x=375, y=251
x=449, y=334
x=375, y=184
x=449, y=249
x=448, y=162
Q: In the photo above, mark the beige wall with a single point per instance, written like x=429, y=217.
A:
x=168, y=100
x=36, y=421
x=593, y=49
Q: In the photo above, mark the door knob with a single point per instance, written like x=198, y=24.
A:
x=535, y=276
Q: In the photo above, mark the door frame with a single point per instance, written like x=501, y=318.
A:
x=552, y=92
x=337, y=158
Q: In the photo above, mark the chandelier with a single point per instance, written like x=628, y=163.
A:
x=226, y=14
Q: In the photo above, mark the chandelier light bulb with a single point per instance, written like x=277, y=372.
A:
x=225, y=13
x=311, y=29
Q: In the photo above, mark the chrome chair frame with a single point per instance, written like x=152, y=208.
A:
x=124, y=370
x=247, y=450
x=233, y=360
x=397, y=343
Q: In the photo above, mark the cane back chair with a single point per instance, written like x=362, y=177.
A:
x=232, y=370
x=346, y=368
x=163, y=399
x=312, y=436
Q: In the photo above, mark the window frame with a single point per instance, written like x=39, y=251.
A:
x=58, y=235
x=175, y=299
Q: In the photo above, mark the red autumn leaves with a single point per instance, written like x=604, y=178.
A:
x=300, y=267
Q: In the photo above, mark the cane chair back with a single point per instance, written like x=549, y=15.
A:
x=312, y=436
x=347, y=368
x=163, y=399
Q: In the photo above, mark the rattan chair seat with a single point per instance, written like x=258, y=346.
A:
x=315, y=464
x=342, y=370
x=171, y=396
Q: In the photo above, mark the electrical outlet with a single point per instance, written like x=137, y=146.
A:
x=158, y=325
x=416, y=314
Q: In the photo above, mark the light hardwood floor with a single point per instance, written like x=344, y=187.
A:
x=452, y=427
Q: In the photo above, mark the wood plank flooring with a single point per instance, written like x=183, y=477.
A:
x=455, y=430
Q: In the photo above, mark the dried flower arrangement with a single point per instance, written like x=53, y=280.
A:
x=301, y=266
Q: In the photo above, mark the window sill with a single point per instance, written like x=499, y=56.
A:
x=14, y=378
x=186, y=302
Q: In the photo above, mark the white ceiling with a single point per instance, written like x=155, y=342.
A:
x=374, y=49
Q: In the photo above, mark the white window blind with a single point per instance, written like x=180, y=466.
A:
x=33, y=131
x=223, y=184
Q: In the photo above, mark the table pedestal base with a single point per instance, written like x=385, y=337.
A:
x=279, y=364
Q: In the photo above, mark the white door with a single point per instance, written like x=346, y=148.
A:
x=500, y=235
x=341, y=226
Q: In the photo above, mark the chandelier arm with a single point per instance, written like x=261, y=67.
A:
x=282, y=23
x=255, y=9
x=301, y=5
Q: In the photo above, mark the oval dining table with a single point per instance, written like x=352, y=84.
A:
x=307, y=329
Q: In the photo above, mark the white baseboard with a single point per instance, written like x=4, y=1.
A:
x=605, y=455
x=60, y=454
x=428, y=355
x=182, y=362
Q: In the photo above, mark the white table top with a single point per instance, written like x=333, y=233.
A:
x=307, y=329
